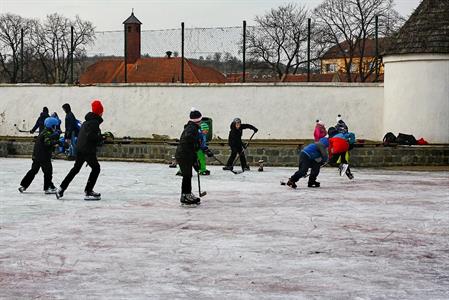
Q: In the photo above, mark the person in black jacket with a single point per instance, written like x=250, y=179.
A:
x=236, y=144
x=43, y=148
x=40, y=121
x=189, y=144
x=71, y=129
x=88, y=139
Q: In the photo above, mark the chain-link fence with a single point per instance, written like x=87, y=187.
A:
x=191, y=55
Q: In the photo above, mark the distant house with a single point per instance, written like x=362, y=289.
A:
x=144, y=70
x=334, y=60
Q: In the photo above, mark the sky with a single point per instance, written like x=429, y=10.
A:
x=107, y=15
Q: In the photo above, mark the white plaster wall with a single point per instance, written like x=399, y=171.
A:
x=280, y=111
x=417, y=96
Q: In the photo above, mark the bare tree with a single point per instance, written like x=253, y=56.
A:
x=349, y=23
x=10, y=44
x=52, y=43
x=279, y=38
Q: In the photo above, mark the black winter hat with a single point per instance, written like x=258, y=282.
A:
x=66, y=107
x=195, y=115
x=45, y=109
x=331, y=131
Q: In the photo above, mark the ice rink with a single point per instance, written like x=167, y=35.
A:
x=384, y=235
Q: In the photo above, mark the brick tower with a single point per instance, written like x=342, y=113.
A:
x=132, y=39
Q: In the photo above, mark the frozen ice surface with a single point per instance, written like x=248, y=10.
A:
x=384, y=235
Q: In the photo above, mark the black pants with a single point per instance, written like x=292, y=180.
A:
x=234, y=153
x=305, y=163
x=186, y=170
x=335, y=158
x=92, y=161
x=47, y=168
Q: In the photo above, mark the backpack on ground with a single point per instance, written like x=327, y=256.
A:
x=406, y=139
x=390, y=139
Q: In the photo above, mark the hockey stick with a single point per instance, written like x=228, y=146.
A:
x=202, y=194
x=21, y=130
x=244, y=148
x=235, y=172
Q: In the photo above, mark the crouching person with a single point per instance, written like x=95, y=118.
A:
x=89, y=139
x=42, y=151
x=312, y=157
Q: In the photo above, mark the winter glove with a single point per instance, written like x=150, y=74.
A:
x=209, y=153
x=196, y=166
x=255, y=130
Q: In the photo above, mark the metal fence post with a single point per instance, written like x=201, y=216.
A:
x=244, y=53
x=21, y=55
x=71, y=54
x=182, y=52
x=308, y=49
x=377, y=48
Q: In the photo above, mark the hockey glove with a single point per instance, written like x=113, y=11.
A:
x=209, y=153
x=196, y=166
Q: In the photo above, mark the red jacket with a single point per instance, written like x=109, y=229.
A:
x=337, y=145
x=320, y=132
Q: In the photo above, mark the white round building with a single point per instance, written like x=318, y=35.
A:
x=417, y=75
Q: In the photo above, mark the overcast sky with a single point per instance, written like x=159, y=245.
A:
x=158, y=14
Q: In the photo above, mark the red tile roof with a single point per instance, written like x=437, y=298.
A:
x=370, y=49
x=153, y=69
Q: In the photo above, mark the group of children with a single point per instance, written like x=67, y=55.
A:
x=89, y=137
x=330, y=146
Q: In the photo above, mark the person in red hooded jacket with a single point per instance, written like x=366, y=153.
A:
x=89, y=138
x=320, y=130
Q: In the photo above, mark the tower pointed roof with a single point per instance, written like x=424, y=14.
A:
x=426, y=31
x=132, y=20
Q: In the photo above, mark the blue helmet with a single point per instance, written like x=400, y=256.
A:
x=51, y=122
x=324, y=141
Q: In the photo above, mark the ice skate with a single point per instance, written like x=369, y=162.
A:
x=313, y=184
x=92, y=196
x=22, y=189
x=349, y=174
x=51, y=190
x=189, y=199
x=59, y=193
x=205, y=172
x=343, y=168
x=289, y=183
x=246, y=168
x=228, y=168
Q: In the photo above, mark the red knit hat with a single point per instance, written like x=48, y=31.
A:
x=97, y=107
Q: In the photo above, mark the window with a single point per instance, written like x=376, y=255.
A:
x=331, y=68
x=353, y=68
x=129, y=29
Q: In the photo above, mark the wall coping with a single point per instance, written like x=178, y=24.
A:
x=415, y=57
x=191, y=85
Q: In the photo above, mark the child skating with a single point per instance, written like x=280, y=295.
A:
x=236, y=144
x=42, y=151
x=186, y=156
x=312, y=157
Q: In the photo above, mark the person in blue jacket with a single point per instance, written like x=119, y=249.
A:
x=312, y=157
x=72, y=129
x=40, y=121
